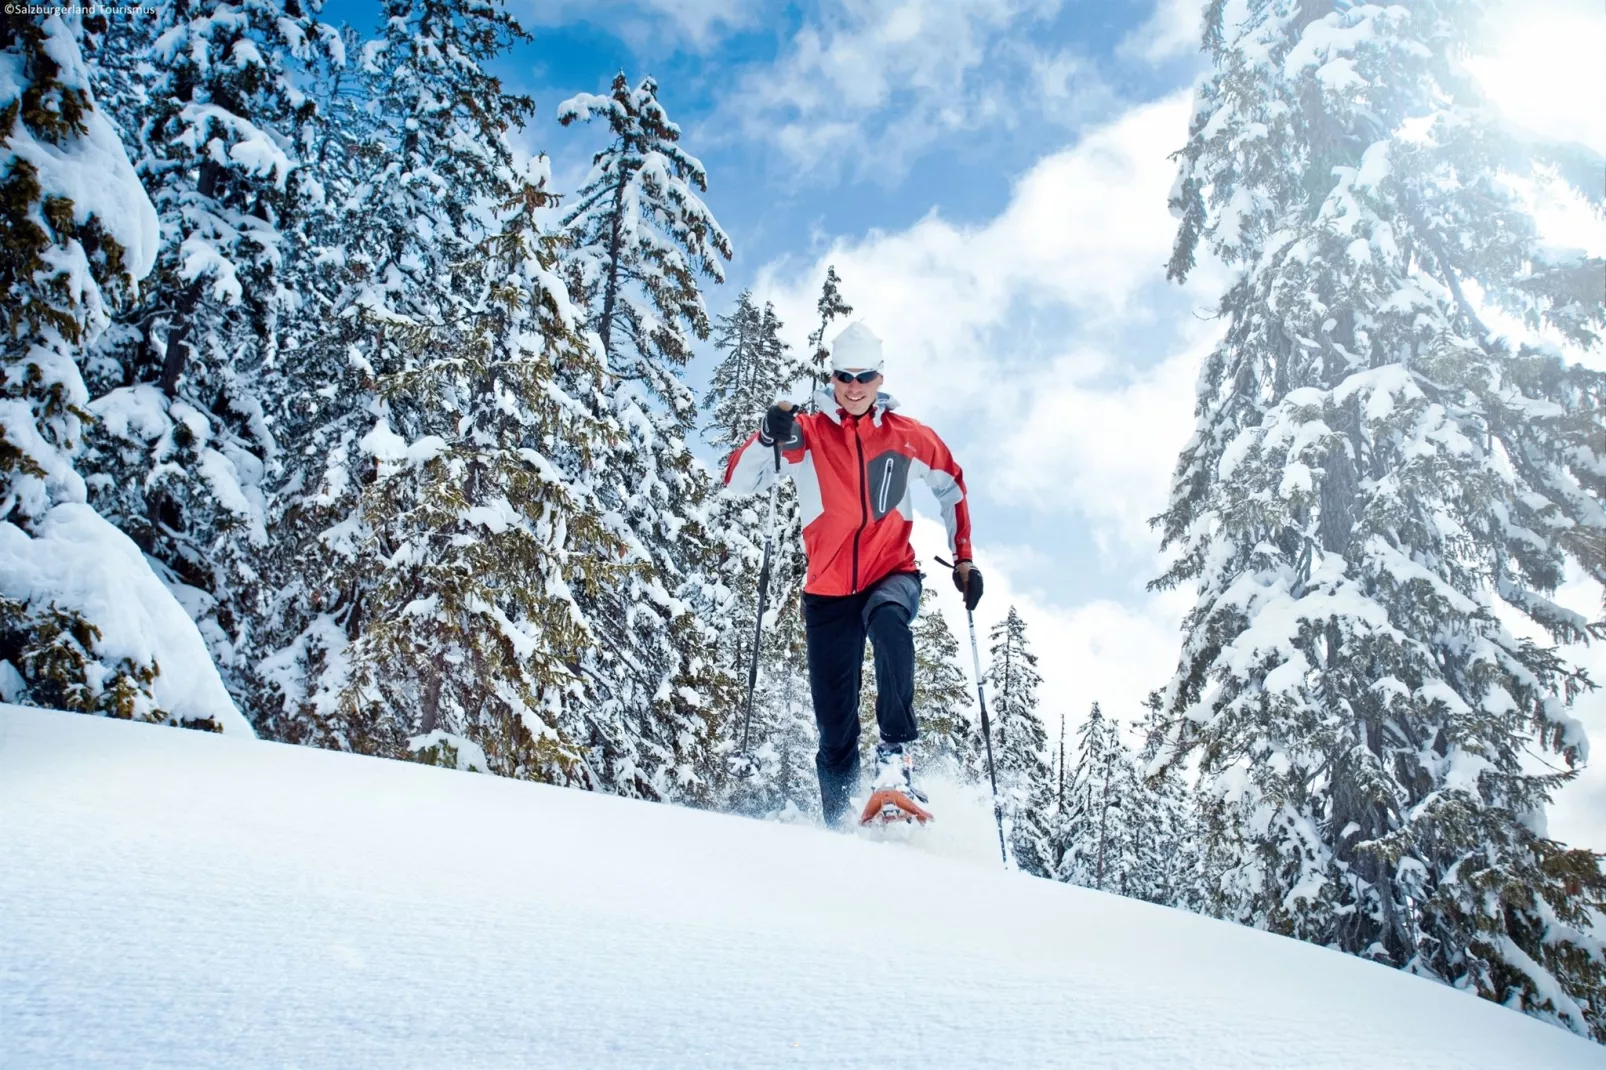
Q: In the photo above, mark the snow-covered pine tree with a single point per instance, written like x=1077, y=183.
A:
x=783, y=735
x=1093, y=825
x=638, y=239
x=1020, y=744
x=208, y=96
x=830, y=306
x=77, y=232
x=361, y=226
x=1161, y=853
x=484, y=531
x=949, y=737
x=327, y=264
x=789, y=567
x=740, y=387
x=1371, y=469
x=358, y=221
x=739, y=390
x=756, y=368
x=424, y=242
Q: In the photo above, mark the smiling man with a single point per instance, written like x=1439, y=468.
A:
x=853, y=461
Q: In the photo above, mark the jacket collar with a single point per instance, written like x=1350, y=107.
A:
x=825, y=401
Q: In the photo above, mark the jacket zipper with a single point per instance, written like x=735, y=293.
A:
x=864, y=506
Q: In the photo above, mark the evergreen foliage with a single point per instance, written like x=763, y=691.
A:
x=784, y=737
x=830, y=306
x=755, y=369
x=1020, y=744
x=183, y=451
x=481, y=535
x=411, y=176
x=950, y=739
x=76, y=232
x=1096, y=821
x=1163, y=851
x=1372, y=468
x=638, y=238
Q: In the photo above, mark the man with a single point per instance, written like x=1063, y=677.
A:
x=852, y=461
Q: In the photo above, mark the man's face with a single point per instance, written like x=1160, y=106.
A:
x=854, y=396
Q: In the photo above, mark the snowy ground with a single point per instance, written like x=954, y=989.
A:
x=182, y=899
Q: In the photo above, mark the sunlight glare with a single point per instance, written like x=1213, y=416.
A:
x=1545, y=72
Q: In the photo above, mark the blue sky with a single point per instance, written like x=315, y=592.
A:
x=912, y=112
x=989, y=178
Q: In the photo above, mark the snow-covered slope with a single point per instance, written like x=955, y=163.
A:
x=185, y=899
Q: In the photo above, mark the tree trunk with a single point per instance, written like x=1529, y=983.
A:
x=1007, y=660
x=1059, y=792
x=175, y=357
x=432, y=704
x=610, y=292
x=1104, y=813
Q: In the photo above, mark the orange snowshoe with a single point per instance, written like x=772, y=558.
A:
x=893, y=796
x=889, y=805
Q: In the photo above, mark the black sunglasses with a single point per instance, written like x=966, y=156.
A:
x=850, y=377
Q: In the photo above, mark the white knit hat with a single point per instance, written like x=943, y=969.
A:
x=856, y=349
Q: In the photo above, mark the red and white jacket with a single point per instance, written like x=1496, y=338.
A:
x=853, y=477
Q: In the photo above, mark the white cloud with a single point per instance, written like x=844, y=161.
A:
x=1115, y=447
x=868, y=85
x=1172, y=30
x=1084, y=231
x=652, y=26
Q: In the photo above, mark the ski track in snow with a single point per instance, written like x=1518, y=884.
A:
x=179, y=899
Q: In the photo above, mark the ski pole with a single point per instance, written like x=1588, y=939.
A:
x=987, y=735
x=744, y=765
x=986, y=729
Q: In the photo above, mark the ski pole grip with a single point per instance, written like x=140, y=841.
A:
x=785, y=406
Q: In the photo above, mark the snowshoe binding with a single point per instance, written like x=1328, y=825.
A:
x=893, y=796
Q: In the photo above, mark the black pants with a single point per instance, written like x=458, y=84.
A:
x=836, y=629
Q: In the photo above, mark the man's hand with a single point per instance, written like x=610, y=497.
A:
x=967, y=577
x=779, y=422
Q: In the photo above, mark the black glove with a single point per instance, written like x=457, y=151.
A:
x=972, y=590
x=779, y=424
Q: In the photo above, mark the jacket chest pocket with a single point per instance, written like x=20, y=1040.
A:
x=887, y=478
